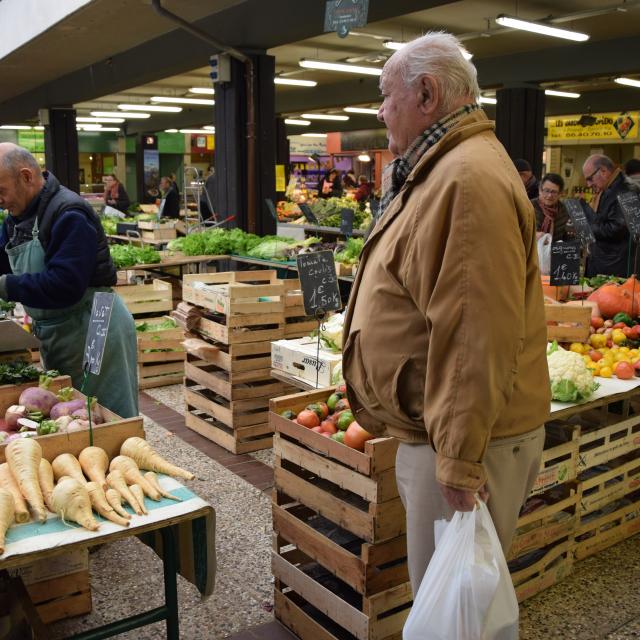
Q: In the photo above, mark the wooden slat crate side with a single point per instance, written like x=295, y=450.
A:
x=610, y=442
x=294, y=330
x=157, y=290
x=599, y=490
x=150, y=382
x=568, y=314
x=558, y=465
x=159, y=234
x=223, y=412
x=152, y=225
x=209, y=329
x=562, y=549
x=547, y=578
x=136, y=308
x=160, y=369
x=162, y=356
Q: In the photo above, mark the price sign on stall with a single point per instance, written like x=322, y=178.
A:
x=346, y=222
x=565, y=263
x=319, y=282
x=308, y=214
x=272, y=209
x=630, y=205
x=97, y=331
x=580, y=223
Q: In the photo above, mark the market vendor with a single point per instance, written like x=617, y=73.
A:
x=53, y=258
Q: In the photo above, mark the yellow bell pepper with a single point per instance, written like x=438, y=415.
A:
x=598, y=340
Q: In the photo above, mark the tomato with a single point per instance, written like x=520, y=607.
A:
x=629, y=332
x=316, y=408
x=317, y=429
x=329, y=426
x=326, y=434
x=596, y=322
x=619, y=325
x=355, y=436
x=333, y=400
x=345, y=419
x=288, y=414
x=595, y=356
x=624, y=370
x=325, y=409
x=342, y=405
x=308, y=419
x=637, y=331
x=341, y=388
x=636, y=365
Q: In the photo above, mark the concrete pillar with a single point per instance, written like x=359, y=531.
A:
x=61, y=145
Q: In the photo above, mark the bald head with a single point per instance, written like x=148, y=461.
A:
x=20, y=178
x=597, y=171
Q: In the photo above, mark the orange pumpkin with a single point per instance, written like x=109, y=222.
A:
x=613, y=298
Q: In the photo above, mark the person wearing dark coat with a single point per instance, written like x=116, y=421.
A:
x=612, y=253
x=528, y=179
x=330, y=185
x=171, y=197
x=551, y=214
x=115, y=194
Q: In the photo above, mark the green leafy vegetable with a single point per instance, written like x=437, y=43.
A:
x=351, y=252
x=19, y=372
x=126, y=255
x=157, y=326
x=623, y=317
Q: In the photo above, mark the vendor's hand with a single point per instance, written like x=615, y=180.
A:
x=461, y=500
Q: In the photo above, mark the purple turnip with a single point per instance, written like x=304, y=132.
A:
x=25, y=423
x=66, y=408
x=83, y=414
x=38, y=399
x=13, y=414
x=77, y=425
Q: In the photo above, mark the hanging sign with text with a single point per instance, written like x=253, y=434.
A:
x=343, y=15
x=630, y=204
x=580, y=223
x=565, y=263
x=97, y=331
x=319, y=282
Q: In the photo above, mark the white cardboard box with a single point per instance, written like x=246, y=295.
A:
x=300, y=358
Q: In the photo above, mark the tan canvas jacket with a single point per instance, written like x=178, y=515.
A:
x=445, y=333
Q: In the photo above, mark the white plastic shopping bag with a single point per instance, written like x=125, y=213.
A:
x=466, y=593
x=544, y=253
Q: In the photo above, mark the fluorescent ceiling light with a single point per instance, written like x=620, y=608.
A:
x=205, y=131
x=542, y=29
x=198, y=101
x=629, y=82
x=295, y=83
x=15, y=126
x=340, y=66
x=171, y=131
x=485, y=100
x=365, y=157
x=323, y=116
x=109, y=129
x=314, y=135
x=297, y=123
x=149, y=107
x=396, y=46
x=39, y=128
x=120, y=114
x=100, y=120
x=202, y=90
x=89, y=127
x=371, y=112
x=561, y=94
x=209, y=127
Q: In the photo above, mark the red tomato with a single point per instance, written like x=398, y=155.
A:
x=637, y=331
x=325, y=409
x=619, y=325
x=326, y=434
x=629, y=332
x=596, y=322
x=595, y=355
x=308, y=419
x=317, y=429
x=342, y=405
x=355, y=436
x=329, y=426
x=624, y=371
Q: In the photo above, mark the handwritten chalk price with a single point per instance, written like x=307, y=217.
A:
x=97, y=331
x=565, y=263
x=319, y=282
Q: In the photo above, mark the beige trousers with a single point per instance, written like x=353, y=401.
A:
x=512, y=465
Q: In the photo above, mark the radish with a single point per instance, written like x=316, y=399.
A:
x=66, y=408
x=77, y=425
x=83, y=414
x=13, y=414
x=39, y=398
x=25, y=423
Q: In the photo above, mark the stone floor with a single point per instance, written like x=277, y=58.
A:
x=600, y=600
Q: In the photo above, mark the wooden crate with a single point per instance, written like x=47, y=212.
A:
x=600, y=445
x=62, y=597
x=297, y=323
x=156, y=369
x=355, y=490
x=571, y=323
x=555, y=565
x=559, y=461
x=109, y=436
x=545, y=526
x=606, y=487
x=598, y=533
x=151, y=230
x=147, y=298
x=325, y=608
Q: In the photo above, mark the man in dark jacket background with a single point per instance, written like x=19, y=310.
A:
x=171, y=197
x=612, y=253
x=529, y=181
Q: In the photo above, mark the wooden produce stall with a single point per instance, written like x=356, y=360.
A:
x=227, y=393
x=157, y=231
x=339, y=549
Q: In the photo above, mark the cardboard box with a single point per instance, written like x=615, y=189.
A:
x=299, y=358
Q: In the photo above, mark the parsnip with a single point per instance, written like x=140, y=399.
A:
x=137, y=491
x=8, y=482
x=152, y=479
x=7, y=513
x=95, y=464
x=45, y=477
x=100, y=504
x=23, y=456
x=132, y=475
x=70, y=501
x=115, y=500
x=66, y=464
x=140, y=451
x=116, y=481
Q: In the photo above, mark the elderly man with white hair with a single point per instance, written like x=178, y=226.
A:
x=445, y=334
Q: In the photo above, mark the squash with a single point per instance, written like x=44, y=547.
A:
x=614, y=298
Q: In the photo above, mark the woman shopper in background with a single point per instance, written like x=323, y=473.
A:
x=114, y=194
x=551, y=214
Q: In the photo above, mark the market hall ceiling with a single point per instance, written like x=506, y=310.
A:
x=115, y=51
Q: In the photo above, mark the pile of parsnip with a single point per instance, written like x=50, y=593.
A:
x=81, y=484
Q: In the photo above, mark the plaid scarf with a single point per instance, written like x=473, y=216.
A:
x=396, y=173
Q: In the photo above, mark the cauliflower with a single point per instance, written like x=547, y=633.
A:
x=331, y=332
x=571, y=380
x=336, y=375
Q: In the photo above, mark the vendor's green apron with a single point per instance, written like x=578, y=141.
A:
x=62, y=334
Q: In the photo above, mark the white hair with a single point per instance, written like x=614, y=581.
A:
x=440, y=55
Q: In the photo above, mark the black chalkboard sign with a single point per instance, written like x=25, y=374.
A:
x=319, y=282
x=308, y=214
x=579, y=219
x=346, y=223
x=375, y=207
x=565, y=263
x=630, y=205
x=272, y=208
x=97, y=331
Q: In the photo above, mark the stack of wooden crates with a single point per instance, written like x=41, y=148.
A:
x=227, y=396
x=160, y=353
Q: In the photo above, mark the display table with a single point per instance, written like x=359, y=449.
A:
x=191, y=523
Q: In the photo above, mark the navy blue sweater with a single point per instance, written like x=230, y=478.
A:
x=69, y=262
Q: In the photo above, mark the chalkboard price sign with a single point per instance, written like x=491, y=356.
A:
x=272, y=209
x=97, y=331
x=565, y=263
x=308, y=214
x=346, y=223
x=319, y=282
x=580, y=223
x=630, y=204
